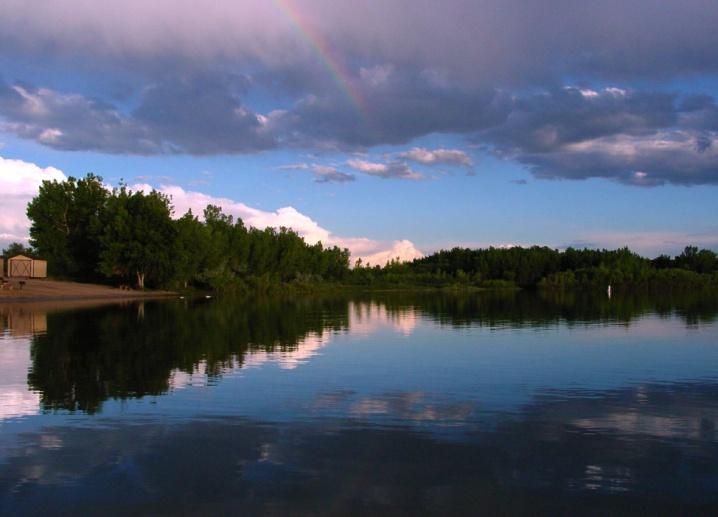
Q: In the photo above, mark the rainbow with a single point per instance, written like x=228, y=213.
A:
x=334, y=66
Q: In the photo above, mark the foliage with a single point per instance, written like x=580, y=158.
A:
x=66, y=225
x=83, y=230
x=15, y=248
x=86, y=233
x=137, y=238
x=546, y=268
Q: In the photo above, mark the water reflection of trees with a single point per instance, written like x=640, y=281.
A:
x=527, y=308
x=128, y=351
x=87, y=356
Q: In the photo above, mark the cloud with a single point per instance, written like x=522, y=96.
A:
x=289, y=217
x=651, y=243
x=407, y=105
x=392, y=170
x=548, y=120
x=19, y=183
x=70, y=122
x=637, y=138
x=204, y=114
x=477, y=41
x=191, y=115
x=193, y=80
x=322, y=173
x=403, y=250
x=437, y=156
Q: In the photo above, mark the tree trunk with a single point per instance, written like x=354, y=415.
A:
x=140, y=280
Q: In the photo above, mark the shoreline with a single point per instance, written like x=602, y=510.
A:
x=36, y=290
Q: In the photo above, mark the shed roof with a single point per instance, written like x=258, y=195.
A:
x=20, y=257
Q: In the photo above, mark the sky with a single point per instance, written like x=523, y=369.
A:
x=394, y=128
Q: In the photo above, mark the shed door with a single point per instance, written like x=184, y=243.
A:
x=20, y=268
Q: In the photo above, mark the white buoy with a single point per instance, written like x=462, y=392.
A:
x=609, y=291
x=207, y=296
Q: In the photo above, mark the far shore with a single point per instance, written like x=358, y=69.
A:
x=37, y=290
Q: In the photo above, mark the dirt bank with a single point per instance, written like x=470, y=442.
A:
x=51, y=290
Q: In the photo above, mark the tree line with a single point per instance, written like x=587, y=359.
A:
x=544, y=267
x=89, y=233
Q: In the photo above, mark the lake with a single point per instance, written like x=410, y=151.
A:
x=424, y=403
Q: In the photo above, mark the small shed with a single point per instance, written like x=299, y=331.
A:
x=21, y=266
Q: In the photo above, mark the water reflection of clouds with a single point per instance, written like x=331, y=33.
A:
x=545, y=454
x=370, y=317
x=407, y=406
x=197, y=378
x=286, y=359
x=306, y=348
x=365, y=319
x=16, y=399
x=685, y=411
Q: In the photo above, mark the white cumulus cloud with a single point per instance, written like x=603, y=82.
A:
x=403, y=250
x=437, y=156
x=378, y=252
x=19, y=182
x=394, y=169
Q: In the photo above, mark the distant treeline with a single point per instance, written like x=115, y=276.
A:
x=88, y=233
x=548, y=268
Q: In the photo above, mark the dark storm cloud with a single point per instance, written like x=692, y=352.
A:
x=198, y=115
x=486, y=41
x=398, y=107
x=638, y=138
x=563, y=116
x=70, y=122
x=332, y=76
x=202, y=115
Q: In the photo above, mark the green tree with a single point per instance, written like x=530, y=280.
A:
x=138, y=237
x=192, y=248
x=66, y=225
x=49, y=214
x=16, y=248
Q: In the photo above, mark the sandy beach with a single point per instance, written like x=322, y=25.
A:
x=35, y=290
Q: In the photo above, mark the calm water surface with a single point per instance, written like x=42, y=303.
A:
x=401, y=404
